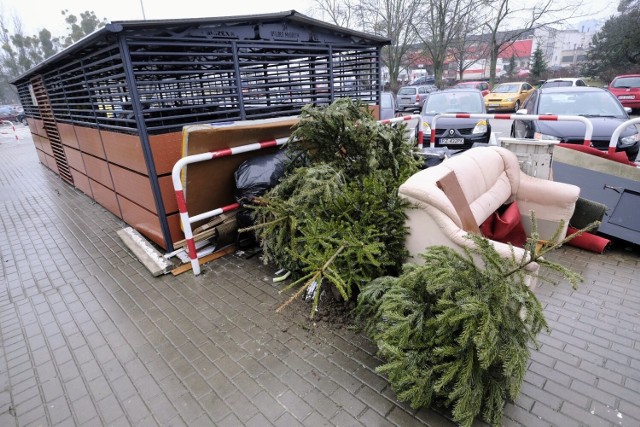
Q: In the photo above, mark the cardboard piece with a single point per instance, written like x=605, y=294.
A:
x=450, y=186
x=210, y=184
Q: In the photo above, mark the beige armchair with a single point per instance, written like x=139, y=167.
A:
x=488, y=177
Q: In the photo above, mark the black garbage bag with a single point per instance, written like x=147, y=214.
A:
x=254, y=177
x=259, y=174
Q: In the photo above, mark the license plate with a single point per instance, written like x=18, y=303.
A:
x=451, y=141
x=494, y=105
x=626, y=97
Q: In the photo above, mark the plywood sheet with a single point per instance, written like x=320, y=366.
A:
x=124, y=150
x=81, y=182
x=98, y=170
x=209, y=185
x=144, y=221
x=166, y=150
x=133, y=186
x=74, y=159
x=68, y=135
x=105, y=197
x=89, y=141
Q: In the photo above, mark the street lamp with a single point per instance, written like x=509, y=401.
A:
x=144, y=18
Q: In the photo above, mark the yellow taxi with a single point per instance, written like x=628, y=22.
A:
x=507, y=96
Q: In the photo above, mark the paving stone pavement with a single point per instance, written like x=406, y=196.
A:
x=89, y=337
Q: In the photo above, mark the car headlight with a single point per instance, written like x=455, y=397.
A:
x=629, y=140
x=542, y=136
x=509, y=99
x=481, y=127
x=425, y=127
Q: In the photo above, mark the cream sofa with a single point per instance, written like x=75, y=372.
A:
x=489, y=177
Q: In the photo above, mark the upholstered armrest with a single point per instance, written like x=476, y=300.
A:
x=549, y=193
x=552, y=202
x=428, y=226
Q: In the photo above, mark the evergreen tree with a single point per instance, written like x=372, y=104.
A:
x=615, y=49
x=20, y=52
x=539, y=65
x=512, y=66
x=455, y=330
x=336, y=217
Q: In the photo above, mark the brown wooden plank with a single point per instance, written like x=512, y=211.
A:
x=450, y=186
x=204, y=259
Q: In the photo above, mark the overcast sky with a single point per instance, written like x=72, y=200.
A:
x=38, y=14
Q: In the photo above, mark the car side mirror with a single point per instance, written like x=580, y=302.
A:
x=522, y=111
x=628, y=110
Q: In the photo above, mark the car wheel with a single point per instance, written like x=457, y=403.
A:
x=516, y=106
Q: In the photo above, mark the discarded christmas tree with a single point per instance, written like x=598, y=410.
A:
x=336, y=217
x=455, y=330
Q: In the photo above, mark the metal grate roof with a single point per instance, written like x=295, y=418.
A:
x=174, y=72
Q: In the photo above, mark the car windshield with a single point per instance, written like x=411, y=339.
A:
x=454, y=102
x=626, y=82
x=407, y=91
x=559, y=83
x=591, y=104
x=506, y=89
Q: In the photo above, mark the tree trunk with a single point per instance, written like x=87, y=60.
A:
x=492, y=66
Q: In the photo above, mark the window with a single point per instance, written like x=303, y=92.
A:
x=626, y=82
x=407, y=90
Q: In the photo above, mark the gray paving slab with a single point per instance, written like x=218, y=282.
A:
x=89, y=337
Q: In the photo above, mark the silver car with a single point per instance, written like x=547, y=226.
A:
x=388, y=107
x=412, y=97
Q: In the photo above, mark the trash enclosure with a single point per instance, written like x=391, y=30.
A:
x=107, y=113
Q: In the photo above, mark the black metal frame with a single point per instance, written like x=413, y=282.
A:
x=154, y=77
x=199, y=71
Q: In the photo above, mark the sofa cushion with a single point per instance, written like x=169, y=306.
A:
x=487, y=178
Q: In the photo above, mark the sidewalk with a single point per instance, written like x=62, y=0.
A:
x=89, y=337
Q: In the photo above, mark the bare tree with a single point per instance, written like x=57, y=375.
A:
x=525, y=17
x=340, y=12
x=392, y=19
x=467, y=48
x=437, y=28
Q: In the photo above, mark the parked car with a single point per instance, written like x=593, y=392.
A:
x=564, y=82
x=12, y=114
x=388, y=106
x=599, y=105
x=627, y=89
x=456, y=133
x=412, y=97
x=507, y=96
x=483, y=87
x=424, y=80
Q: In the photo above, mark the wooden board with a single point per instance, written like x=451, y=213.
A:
x=219, y=254
x=450, y=186
x=209, y=185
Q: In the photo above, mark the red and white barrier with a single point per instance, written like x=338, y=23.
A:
x=545, y=117
x=613, y=143
x=3, y=122
x=176, y=172
x=406, y=119
x=185, y=219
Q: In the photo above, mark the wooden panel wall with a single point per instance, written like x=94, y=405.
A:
x=110, y=168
